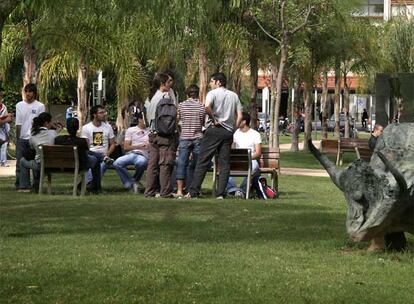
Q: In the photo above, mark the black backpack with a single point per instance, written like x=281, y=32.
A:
x=166, y=117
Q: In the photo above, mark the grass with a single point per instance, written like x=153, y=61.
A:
x=120, y=248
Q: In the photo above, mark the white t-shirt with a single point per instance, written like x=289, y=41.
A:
x=247, y=140
x=138, y=136
x=25, y=112
x=98, y=137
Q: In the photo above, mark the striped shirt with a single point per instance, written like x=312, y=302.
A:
x=192, y=115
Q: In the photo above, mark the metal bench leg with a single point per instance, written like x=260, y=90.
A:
x=49, y=183
x=75, y=183
x=83, y=187
x=249, y=181
x=42, y=177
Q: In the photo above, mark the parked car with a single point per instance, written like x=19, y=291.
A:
x=342, y=119
x=263, y=119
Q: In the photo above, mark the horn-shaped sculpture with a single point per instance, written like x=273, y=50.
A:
x=379, y=194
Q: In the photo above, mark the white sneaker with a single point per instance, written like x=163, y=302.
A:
x=135, y=187
x=238, y=194
x=219, y=197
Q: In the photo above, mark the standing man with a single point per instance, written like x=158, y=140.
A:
x=136, y=144
x=26, y=110
x=192, y=115
x=374, y=136
x=225, y=111
x=101, y=141
x=162, y=148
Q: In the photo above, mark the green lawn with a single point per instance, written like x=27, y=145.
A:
x=120, y=248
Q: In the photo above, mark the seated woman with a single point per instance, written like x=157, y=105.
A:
x=42, y=132
x=85, y=160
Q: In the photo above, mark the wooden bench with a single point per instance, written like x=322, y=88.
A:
x=359, y=146
x=240, y=165
x=269, y=163
x=343, y=145
x=61, y=159
x=330, y=147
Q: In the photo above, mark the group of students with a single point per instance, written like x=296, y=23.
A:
x=198, y=132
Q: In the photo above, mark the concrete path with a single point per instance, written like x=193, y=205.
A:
x=10, y=171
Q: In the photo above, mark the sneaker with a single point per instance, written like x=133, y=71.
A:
x=220, y=197
x=108, y=161
x=238, y=194
x=188, y=196
x=135, y=188
x=25, y=190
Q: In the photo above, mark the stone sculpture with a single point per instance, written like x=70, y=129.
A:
x=380, y=194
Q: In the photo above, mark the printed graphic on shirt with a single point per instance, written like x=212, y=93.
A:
x=33, y=111
x=97, y=138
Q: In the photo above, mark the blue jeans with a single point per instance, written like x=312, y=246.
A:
x=139, y=161
x=96, y=170
x=3, y=153
x=24, y=177
x=232, y=186
x=21, y=146
x=185, y=147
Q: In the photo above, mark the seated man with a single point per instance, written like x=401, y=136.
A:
x=85, y=160
x=136, y=144
x=245, y=138
x=101, y=139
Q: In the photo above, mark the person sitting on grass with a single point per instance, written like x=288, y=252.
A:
x=43, y=131
x=85, y=160
x=245, y=138
x=136, y=144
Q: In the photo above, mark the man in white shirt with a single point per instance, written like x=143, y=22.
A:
x=101, y=141
x=26, y=110
x=136, y=146
x=246, y=138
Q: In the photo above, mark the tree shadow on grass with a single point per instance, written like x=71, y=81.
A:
x=198, y=221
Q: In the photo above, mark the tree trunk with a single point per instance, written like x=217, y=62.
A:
x=337, y=98
x=254, y=76
x=202, y=70
x=121, y=119
x=308, y=114
x=272, y=105
x=82, y=91
x=346, y=102
x=6, y=7
x=324, y=105
x=296, y=116
x=29, y=57
x=278, y=93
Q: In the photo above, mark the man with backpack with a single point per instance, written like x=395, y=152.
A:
x=225, y=112
x=163, y=139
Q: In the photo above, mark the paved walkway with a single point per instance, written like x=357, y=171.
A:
x=10, y=171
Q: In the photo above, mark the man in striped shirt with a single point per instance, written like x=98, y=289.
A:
x=191, y=114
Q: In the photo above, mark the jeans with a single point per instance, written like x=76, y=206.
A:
x=139, y=161
x=232, y=186
x=3, y=153
x=215, y=138
x=25, y=167
x=21, y=146
x=185, y=147
x=94, y=176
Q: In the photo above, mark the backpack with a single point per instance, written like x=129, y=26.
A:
x=166, y=117
x=263, y=191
